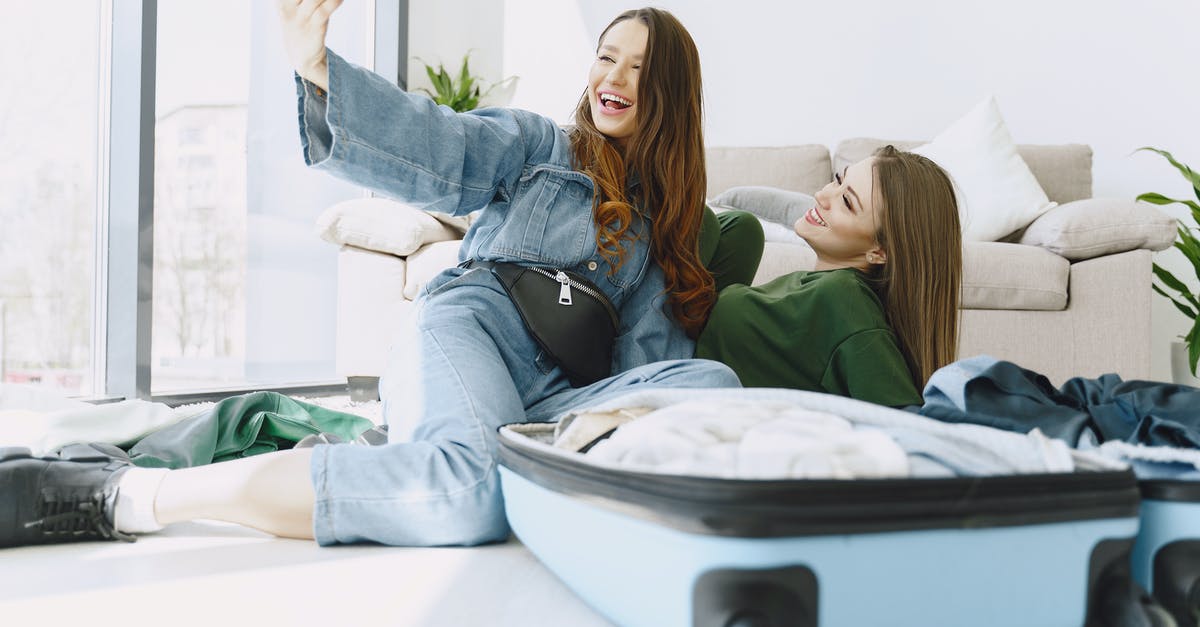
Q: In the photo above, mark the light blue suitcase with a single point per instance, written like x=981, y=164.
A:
x=1166, y=556
x=662, y=550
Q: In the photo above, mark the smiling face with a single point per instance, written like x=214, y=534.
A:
x=613, y=79
x=842, y=226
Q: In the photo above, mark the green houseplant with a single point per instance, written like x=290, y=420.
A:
x=1186, y=301
x=462, y=92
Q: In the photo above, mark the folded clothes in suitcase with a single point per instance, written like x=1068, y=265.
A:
x=649, y=548
x=1166, y=556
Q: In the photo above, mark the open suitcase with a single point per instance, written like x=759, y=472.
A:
x=661, y=550
x=1166, y=556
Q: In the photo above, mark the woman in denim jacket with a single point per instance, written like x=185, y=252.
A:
x=469, y=364
x=618, y=199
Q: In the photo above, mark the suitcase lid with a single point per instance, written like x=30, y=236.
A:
x=794, y=507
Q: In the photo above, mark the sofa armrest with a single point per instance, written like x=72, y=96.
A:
x=1094, y=227
x=382, y=225
x=427, y=263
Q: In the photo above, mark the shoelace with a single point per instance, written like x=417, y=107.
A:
x=72, y=516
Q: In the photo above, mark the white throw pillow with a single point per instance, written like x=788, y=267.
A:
x=997, y=192
x=383, y=225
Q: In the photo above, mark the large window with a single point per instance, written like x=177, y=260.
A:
x=230, y=289
x=199, y=331
x=49, y=123
x=243, y=290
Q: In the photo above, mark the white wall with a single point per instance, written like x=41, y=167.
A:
x=1113, y=74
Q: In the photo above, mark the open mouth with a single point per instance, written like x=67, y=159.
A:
x=814, y=217
x=613, y=103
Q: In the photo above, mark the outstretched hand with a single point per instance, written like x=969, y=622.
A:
x=305, y=23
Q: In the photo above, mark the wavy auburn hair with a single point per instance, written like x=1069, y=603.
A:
x=666, y=154
x=919, y=284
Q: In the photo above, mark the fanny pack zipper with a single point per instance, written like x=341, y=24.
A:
x=564, y=293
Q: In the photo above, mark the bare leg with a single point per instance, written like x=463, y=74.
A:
x=271, y=493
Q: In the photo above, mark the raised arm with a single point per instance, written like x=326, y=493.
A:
x=305, y=23
x=360, y=127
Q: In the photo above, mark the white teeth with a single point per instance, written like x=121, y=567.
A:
x=615, y=98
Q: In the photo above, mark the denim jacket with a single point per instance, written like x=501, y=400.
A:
x=516, y=165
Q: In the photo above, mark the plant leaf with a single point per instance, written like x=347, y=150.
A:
x=1170, y=281
x=1187, y=172
x=501, y=85
x=464, y=79
x=1159, y=199
x=1183, y=309
x=1190, y=247
x=1193, y=340
x=447, y=85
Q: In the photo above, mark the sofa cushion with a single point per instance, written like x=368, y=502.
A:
x=998, y=275
x=779, y=259
x=803, y=168
x=1100, y=226
x=382, y=225
x=1064, y=171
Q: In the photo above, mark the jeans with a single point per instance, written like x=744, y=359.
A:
x=464, y=370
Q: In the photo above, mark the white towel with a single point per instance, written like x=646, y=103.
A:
x=934, y=448
x=748, y=440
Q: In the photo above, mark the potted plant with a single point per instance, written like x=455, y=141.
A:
x=461, y=93
x=1184, y=299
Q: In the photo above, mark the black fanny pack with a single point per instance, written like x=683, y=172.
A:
x=567, y=315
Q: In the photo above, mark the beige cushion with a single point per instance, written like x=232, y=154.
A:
x=1064, y=171
x=997, y=275
x=382, y=225
x=855, y=149
x=803, y=168
x=1100, y=226
x=779, y=259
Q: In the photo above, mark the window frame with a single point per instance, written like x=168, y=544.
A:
x=123, y=301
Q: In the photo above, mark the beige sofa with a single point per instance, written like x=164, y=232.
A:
x=1069, y=295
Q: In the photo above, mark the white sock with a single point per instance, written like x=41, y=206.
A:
x=136, y=490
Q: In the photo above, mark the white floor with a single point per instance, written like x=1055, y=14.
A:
x=209, y=573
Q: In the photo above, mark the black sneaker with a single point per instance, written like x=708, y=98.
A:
x=67, y=496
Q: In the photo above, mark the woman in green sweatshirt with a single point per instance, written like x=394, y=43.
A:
x=878, y=314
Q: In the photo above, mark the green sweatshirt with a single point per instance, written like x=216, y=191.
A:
x=818, y=331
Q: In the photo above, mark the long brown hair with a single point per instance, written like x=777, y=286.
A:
x=666, y=154
x=919, y=230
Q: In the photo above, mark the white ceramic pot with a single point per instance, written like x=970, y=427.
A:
x=1180, y=373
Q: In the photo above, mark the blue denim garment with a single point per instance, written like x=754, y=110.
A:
x=1082, y=411
x=466, y=364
